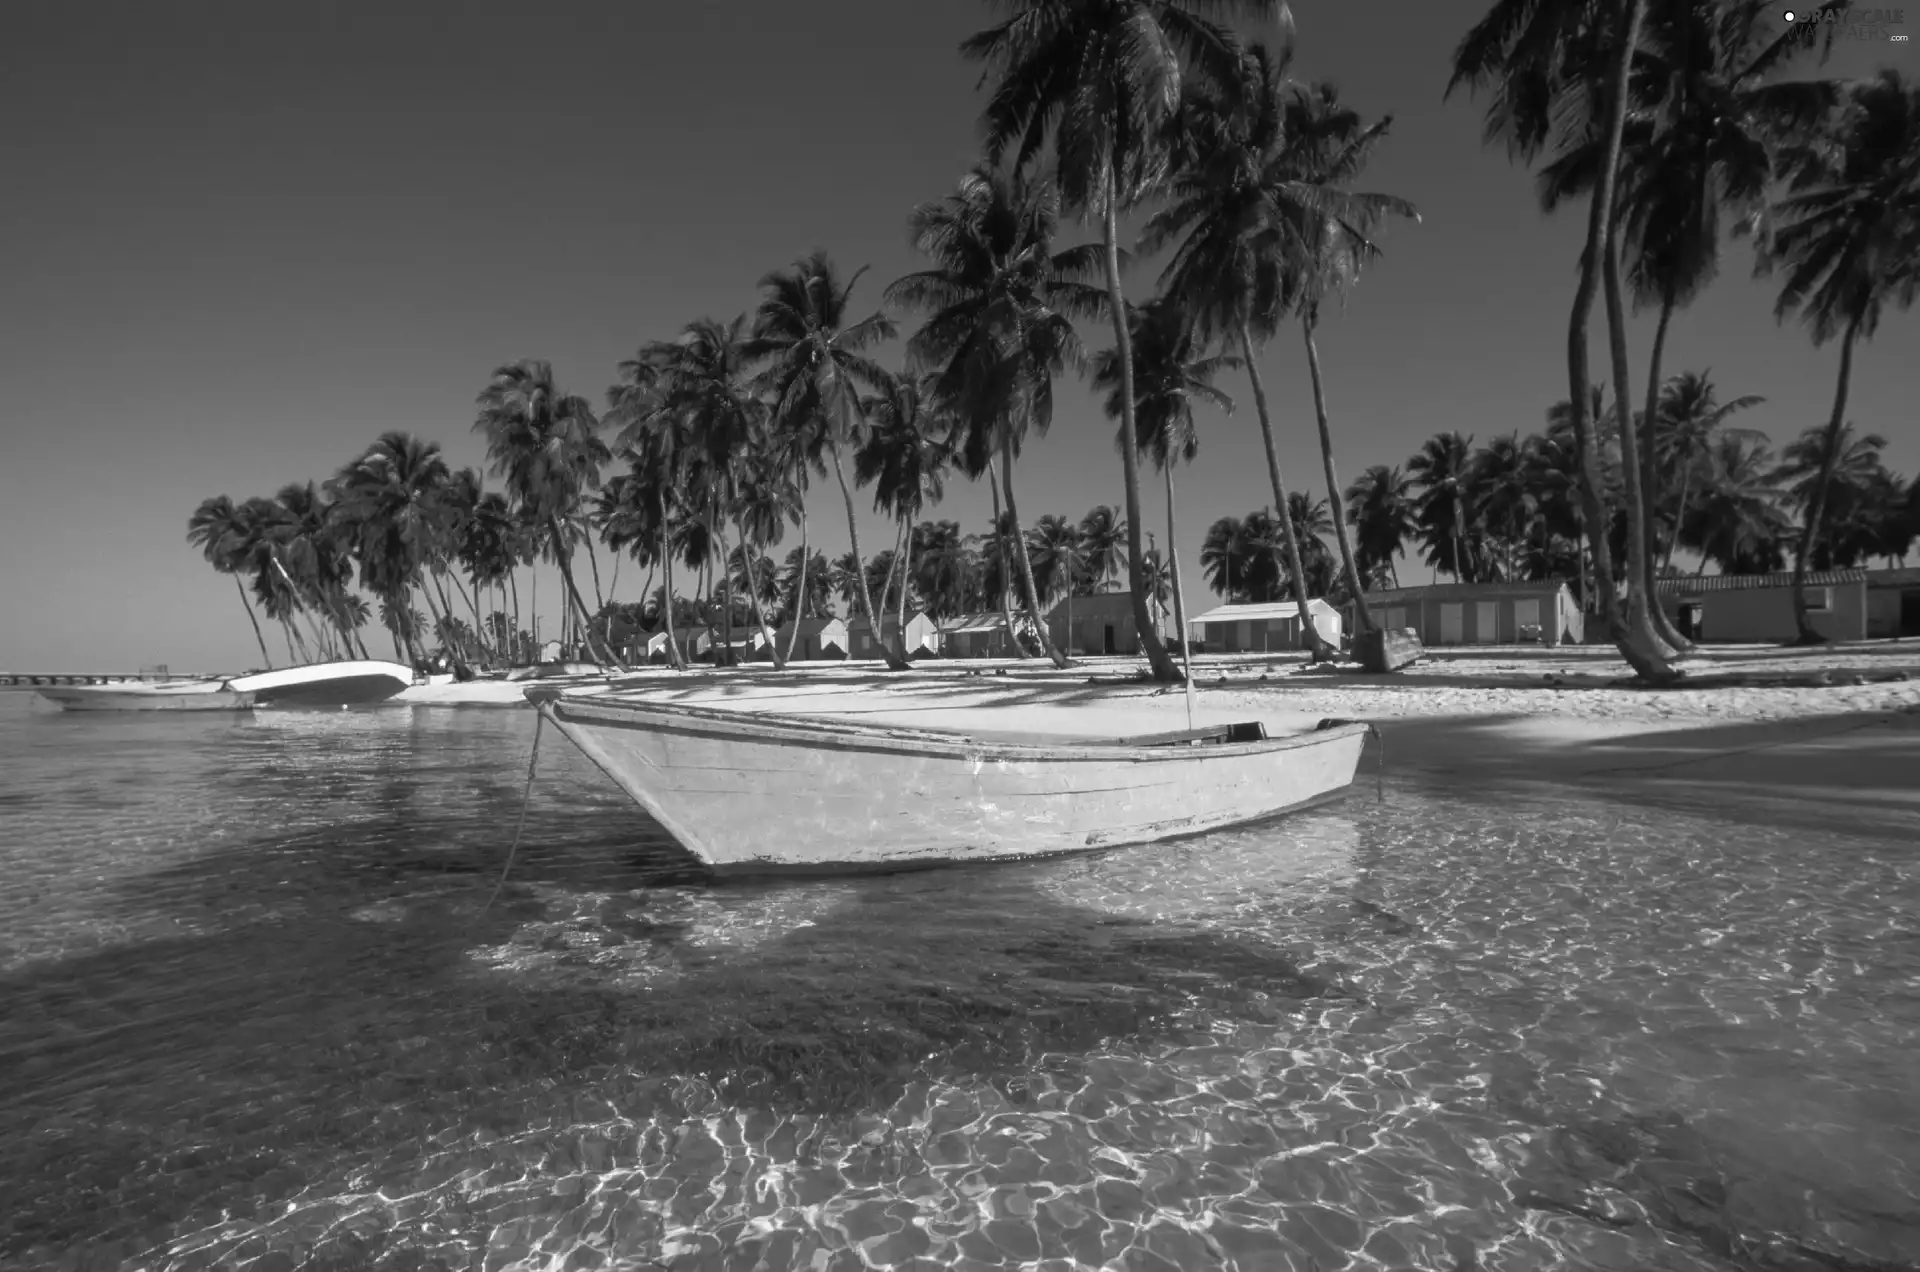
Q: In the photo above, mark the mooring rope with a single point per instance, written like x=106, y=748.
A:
x=526, y=799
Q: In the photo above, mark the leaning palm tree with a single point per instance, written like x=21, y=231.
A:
x=1096, y=84
x=1440, y=471
x=1236, y=231
x=1559, y=70
x=1735, y=516
x=904, y=457
x=393, y=497
x=1103, y=531
x=220, y=531
x=1172, y=370
x=1000, y=302
x=546, y=446
x=816, y=366
x=1848, y=237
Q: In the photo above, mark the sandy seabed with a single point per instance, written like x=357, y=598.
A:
x=1831, y=732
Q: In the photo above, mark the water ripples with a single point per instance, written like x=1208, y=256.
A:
x=254, y=1015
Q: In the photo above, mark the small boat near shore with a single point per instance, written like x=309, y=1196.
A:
x=763, y=793
x=355, y=682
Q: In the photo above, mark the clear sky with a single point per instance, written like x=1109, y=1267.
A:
x=241, y=240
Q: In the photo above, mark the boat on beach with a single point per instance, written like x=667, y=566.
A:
x=354, y=682
x=756, y=792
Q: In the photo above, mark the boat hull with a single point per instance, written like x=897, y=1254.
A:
x=212, y=696
x=776, y=795
x=338, y=684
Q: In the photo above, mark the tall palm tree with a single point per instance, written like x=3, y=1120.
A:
x=1096, y=83
x=1440, y=471
x=1687, y=417
x=1000, y=303
x=220, y=531
x=1235, y=226
x=1827, y=471
x=393, y=496
x=1848, y=236
x=1497, y=477
x=1172, y=370
x=816, y=367
x=1381, y=504
x=658, y=444
x=545, y=444
x=1103, y=531
x=1735, y=518
x=309, y=550
x=1563, y=67
x=904, y=457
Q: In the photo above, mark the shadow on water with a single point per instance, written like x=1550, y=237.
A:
x=346, y=1003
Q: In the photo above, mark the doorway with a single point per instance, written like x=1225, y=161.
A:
x=1109, y=645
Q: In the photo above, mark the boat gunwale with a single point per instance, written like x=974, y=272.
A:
x=821, y=733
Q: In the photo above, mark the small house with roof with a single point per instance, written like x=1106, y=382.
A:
x=1893, y=603
x=1270, y=627
x=1098, y=624
x=694, y=642
x=820, y=639
x=923, y=636
x=981, y=635
x=1726, y=609
x=1522, y=612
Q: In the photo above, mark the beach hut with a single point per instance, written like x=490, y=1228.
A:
x=1271, y=627
x=694, y=642
x=1523, y=612
x=1893, y=604
x=923, y=636
x=820, y=638
x=981, y=635
x=1098, y=624
x=1758, y=608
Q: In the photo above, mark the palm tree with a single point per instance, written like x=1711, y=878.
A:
x=1687, y=418
x=816, y=369
x=1500, y=492
x=1171, y=371
x=1560, y=66
x=393, y=497
x=309, y=551
x=1236, y=265
x=1096, y=83
x=1440, y=472
x=999, y=329
x=1853, y=465
x=220, y=531
x=904, y=457
x=1054, y=547
x=1381, y=504
x=1103, y=531
x=1702, y=138
x=1848, y=235
x=1734, y=517
x=545, y=444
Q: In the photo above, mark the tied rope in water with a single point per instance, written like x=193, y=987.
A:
x=526, y=798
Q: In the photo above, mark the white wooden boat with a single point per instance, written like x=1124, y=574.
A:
x=331, y=684
x=768, y=793
x=179, y=695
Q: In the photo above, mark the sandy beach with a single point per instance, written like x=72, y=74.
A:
x=1829, y=733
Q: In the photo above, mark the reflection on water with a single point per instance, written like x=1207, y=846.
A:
x=253, y=1015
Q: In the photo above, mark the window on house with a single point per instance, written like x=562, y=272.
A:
x=1819, y=600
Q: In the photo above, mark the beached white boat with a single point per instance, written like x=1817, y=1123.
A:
x=766, y=793
x=332, y=684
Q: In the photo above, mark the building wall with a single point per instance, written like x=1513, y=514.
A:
x=1765, y=614
x=1552, y=611
x=1264, y=635
x=1893, y=612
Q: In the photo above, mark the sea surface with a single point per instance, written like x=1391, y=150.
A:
x=257, y=1013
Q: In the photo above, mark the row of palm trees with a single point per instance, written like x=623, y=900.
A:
x=1105, y=108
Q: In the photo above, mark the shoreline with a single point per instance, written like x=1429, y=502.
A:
x=1808, y=736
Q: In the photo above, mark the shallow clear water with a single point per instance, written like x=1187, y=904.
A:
x=254, y=1015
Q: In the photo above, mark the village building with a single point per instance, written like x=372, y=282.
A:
x=1269, y=627
x=923, y=636
x=982, y=635
x=1523, y=612
x=1728, y=609
x=820, y=639
x=1098, y=624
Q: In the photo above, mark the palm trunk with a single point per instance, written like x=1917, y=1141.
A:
x=1817, y=506
x=1179, y=595
x=799, y=591
x=906, y=578
x=287, y=633
x=513, y=636
x=897, y=569
x=859, y=562
x=726, y=596
x=593, y=562
x=573, y=591
x=1158, y=661
x=1317, y=645
x=1362, y=621
x=251, y=618
x=1006, y=562
x=1026, y=562
x=753, y=597
x=674, y=655
x=473, y=607
x=1650, y=483
x=1680, y=514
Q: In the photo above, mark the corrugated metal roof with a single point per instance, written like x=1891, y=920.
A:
x=1464, y=591
x=1689, y=584
x=1269, y=610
